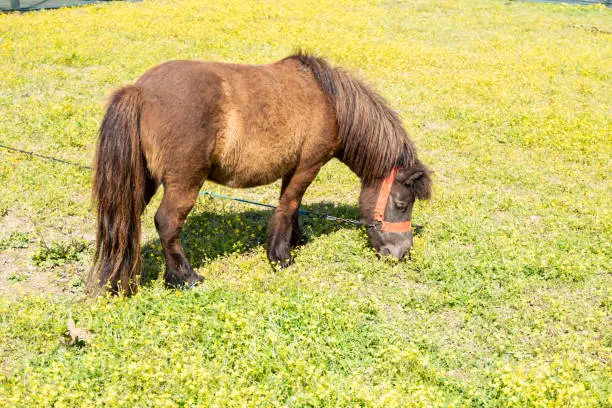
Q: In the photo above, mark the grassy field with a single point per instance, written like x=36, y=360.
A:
x=506, y=300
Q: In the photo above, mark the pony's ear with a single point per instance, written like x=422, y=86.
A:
x=420, y=183
x=410, y=180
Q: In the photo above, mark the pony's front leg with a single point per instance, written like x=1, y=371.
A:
x=297, y=237
x=283, y=230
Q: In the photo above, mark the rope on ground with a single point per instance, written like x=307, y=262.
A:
x=42, y=156
x=310, y=214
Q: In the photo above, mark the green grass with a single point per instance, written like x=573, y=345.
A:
x=506, y=300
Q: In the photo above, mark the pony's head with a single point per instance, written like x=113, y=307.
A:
x=373, y=143
x=386, y=207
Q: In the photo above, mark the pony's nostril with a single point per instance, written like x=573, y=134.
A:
x=385, y=251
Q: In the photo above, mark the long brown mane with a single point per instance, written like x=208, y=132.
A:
x=373, y=140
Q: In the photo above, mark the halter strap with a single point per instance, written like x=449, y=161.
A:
x=381, y=205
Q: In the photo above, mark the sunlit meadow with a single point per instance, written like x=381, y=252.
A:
x=506, y=300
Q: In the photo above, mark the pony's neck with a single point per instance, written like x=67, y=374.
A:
x=371, y=137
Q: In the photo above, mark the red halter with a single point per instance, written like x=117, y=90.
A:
x=381, y=205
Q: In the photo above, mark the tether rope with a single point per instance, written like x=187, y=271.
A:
x=42, y=156
x=310, y=214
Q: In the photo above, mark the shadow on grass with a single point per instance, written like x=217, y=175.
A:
x=207, y=236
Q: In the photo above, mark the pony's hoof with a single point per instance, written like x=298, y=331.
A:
x=194, y=280
x=191, y=281
x=282, y=263
x=280, y=257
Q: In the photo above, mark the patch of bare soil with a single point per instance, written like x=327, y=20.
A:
x=19, y=276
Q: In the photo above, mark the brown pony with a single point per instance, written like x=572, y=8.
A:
x=184, y=122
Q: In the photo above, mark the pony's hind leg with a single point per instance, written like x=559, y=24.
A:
x=281, y=232
x=176, y=204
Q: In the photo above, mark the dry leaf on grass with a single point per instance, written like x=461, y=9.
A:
x=77, y=334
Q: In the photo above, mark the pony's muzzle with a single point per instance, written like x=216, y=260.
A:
x=395, y=251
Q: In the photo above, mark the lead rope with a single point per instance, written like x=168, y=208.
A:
x=42, y=156
x=311, y=214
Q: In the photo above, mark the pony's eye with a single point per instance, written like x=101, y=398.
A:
x=401, y=206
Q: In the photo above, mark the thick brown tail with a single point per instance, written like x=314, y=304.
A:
x=119, y=195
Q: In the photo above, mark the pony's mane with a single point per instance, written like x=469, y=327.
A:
x=372, y=138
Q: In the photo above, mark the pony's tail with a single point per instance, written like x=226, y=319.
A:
x=119, y=195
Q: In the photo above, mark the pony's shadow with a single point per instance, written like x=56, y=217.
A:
x=207, y=236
